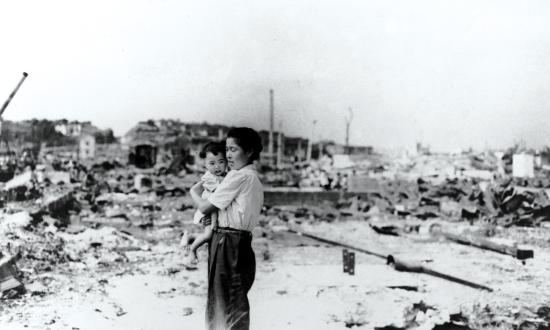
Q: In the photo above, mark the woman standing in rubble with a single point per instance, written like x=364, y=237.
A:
x=231, y=260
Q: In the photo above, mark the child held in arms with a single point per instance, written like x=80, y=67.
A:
x=213, y=154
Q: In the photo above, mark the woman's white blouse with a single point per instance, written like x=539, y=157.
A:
x=239, y=198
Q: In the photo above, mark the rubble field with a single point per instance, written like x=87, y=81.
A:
x=103, y=252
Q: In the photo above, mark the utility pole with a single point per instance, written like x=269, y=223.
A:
x=280, y=146
x=348, y=123
x=320, y=154
x=310, y=142
x=300, y=149
x=271, y=119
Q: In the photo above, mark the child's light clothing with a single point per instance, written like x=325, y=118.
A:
x=239, y=199
x=209, y=182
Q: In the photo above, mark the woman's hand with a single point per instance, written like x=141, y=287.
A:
x=198, y=188
x=203, y=205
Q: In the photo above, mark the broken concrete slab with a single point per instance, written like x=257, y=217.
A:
x=58, y=177
x=23, y=179
x=37, y=289
x=450, y=208
x=142, y=182
x=12, y=222
x=58, y=204
x=9, y=275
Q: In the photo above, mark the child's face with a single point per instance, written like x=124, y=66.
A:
x=215, y=164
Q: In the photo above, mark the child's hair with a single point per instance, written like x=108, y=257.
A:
x=214, y=148
x=248, y=139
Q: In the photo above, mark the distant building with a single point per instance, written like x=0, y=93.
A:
x=61, y=128
x=293, y=148
x=73, y=128
x=68, y=152
x=538, y=160
x=69, y=129
x=86, y=146
x=331, y=148
x=358, y=150
x=422, y=149
x=206, y=130
x=17, y=130
x=150, y=142
x=523, y=166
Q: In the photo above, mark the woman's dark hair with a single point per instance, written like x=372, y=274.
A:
x=248, y=139
x=213, y=147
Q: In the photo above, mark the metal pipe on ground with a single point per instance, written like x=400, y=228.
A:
x=416, y=267
x=397, y=264
x=325, y=240
x=521, y=252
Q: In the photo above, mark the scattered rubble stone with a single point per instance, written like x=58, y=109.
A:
x=101, y=217
x=187, y=311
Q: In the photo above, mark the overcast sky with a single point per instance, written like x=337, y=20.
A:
x=451, y=74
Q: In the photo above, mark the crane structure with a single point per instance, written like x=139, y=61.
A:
x=5, y=105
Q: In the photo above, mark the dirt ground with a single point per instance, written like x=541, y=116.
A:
x=300, y=283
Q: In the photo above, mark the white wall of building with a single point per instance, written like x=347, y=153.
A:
x=523, y=166
x=86, y=147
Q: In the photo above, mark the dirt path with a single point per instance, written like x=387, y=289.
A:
x=299, y=285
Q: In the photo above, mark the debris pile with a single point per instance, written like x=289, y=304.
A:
x=61, y=214
x=62, y=218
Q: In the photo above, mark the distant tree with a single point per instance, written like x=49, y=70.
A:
x=44, y=131
x=105, y=137
x=99, y=138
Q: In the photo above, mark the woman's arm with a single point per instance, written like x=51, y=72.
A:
x=202, y=204
x=214, y=219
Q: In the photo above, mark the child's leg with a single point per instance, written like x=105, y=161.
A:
x=186, y=240
x=200, y=240
x=207, y=235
